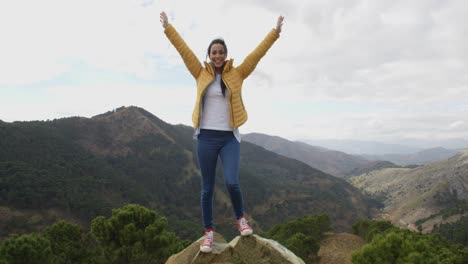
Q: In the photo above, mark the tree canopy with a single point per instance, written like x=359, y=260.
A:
x=132, y=235
x=390, y=245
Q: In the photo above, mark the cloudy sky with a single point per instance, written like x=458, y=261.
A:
x=346, y=69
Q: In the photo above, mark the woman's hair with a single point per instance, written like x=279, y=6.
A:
x=218, y=41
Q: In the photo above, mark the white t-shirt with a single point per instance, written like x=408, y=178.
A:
x=215, y=109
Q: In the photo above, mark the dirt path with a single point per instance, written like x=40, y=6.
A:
x=337, y=248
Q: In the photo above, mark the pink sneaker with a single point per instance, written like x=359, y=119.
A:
x=207, y=243
x=243, y=227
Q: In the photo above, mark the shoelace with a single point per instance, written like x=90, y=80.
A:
x=208, y=240
x=243, y=224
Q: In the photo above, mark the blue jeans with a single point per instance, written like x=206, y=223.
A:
x=210, y=145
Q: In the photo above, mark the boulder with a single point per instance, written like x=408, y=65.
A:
x=249, y=249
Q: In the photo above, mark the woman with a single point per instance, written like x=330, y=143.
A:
x=219, y=112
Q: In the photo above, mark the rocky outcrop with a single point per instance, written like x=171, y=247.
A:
x=250, y=249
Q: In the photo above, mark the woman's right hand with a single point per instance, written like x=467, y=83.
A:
x=163, y=19
x=279, y=24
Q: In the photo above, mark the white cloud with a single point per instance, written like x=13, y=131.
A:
x=41, y=37
x=456, y=124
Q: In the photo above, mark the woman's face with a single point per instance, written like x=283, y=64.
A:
x=218, y=55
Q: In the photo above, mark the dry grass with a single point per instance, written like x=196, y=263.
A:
x=337, y=248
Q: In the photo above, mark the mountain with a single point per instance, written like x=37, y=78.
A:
x=371, y=166
x=361, y=147
x=419, y=158
x=456, y=143
x=78, y=168
x=332, y=162
x=425, y=195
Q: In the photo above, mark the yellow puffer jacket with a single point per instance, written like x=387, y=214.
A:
x=232, y=76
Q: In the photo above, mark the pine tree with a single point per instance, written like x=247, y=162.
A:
x=24, y=249
x=134, y=234
x=71, y=245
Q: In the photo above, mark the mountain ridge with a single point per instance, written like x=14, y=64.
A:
x=422, y=157
x=400, y=146
x=128, y=155
x=330, y=161
x=362, y=147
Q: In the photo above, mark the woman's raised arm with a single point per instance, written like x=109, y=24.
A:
x=251, y=61
x=190, y=59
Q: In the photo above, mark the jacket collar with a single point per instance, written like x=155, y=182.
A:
x=227, y=66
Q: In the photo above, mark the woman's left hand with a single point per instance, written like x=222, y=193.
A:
x=279, y=24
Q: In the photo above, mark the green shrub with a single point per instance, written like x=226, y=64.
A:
x=367, y=229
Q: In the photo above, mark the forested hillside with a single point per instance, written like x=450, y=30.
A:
x=78, y=168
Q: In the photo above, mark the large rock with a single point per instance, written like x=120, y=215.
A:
x=250, y=249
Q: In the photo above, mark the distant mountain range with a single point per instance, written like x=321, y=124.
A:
x=415, y=195
x=330, y=161
x=419, y=158
x=341, y=164
x=426, y=195
x=372, y=148
x=78, y=168
x=360, y=147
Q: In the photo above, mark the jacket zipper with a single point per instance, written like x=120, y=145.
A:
x=230, y=107
x=200, y=103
